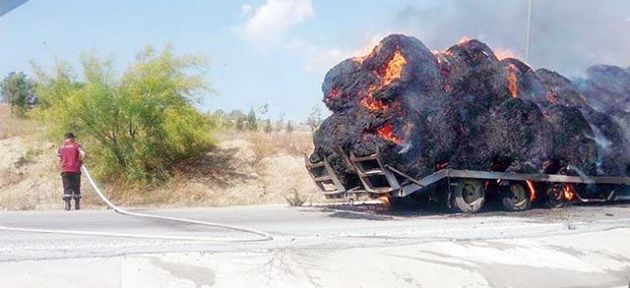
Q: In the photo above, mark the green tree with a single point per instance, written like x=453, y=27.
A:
x=252, y=122
x=17, y=90
x=136, y=125
x=289, y=128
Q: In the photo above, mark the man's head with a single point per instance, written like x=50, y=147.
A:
x=70, y=136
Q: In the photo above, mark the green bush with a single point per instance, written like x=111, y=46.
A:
x=16, y=89
x=252, y=122
x=134, y=126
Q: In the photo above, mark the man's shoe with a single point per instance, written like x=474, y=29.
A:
x=77, y=204
x=68, y=207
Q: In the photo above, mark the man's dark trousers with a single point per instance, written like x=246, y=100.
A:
x=71, y=185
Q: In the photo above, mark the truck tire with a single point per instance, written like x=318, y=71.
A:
x=515, y=197
x=468, y=196
x=555, y=196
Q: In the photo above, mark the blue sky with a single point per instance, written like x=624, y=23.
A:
x=277, y=51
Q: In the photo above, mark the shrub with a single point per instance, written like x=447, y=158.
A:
x=252, y=122
x=135, y=126
x=295, y=199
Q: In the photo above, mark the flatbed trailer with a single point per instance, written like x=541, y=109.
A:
x=467, y=190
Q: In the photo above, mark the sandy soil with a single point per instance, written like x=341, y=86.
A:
x=29, y=177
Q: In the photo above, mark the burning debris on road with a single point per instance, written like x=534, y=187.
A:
x=464, y=108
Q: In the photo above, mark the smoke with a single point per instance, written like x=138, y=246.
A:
x=603, y=145
x=566, y=35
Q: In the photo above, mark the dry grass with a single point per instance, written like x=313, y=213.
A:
x=297, y=143
x=244, y=169
x=15, y=127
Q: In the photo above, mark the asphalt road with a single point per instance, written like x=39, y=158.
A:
x=365, y=246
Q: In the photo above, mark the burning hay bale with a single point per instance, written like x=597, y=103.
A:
x=466, y=109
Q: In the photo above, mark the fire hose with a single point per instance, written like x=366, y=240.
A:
x=260, y=235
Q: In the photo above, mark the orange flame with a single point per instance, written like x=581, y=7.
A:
x=373, y=104
x=384, y=200
x=463, y=40
x=532, y=190
x=569, y=192
x=332, y=94
x=387, y=132
x=393, y=70
x=359, y=59
x=512, y=80
x=503, y=53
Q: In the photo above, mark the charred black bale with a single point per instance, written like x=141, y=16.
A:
x=601, y=105
x=488, y=119
x=466, y=109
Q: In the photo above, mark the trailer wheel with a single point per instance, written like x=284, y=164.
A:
x=555, y=196
x=468, y=196
x=515, y=197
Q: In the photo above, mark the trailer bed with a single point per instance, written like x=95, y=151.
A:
x=381, y=180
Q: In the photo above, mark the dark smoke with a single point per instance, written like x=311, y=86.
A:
x=566, y=35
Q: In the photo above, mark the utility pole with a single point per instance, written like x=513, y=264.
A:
x=527, y=37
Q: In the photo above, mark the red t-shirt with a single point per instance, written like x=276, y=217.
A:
x=69, y=156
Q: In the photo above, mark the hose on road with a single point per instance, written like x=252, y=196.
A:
x=260, y=235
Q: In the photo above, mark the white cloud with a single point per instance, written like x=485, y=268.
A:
x=271, y=22
x=315, y=58
x=269, y=26
x=246, y=9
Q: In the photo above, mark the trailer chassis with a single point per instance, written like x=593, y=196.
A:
x=465, y=190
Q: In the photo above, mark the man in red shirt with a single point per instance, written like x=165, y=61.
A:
x=70, y=160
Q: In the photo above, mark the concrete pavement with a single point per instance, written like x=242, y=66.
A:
x=580, y=246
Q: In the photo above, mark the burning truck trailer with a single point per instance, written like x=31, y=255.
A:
x=462, y=126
